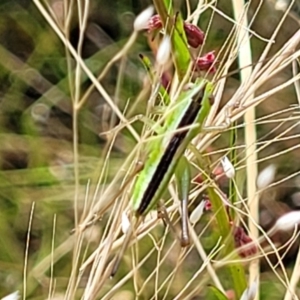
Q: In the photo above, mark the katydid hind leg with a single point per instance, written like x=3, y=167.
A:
x=185, y=237
x=163, y=214
x=183, y=178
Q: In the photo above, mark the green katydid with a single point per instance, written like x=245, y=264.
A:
x=191, y=108
x=185, y=117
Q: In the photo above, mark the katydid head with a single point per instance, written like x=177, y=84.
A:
x=211, y=100
x=206, y=91
x=209, y=92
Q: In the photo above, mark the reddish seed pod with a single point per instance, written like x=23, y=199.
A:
x=154, y=23
x=230, y=294
x=206, y=62
x=207, y=205
x=166, y=80
x=199, y=179
x=194, y=34
x=242, y=239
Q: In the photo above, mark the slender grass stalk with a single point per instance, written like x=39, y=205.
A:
x=296, y=271
x=83, y=10
x=291, y=292
x=245, y=59
x=52, y=280
x=27, y=251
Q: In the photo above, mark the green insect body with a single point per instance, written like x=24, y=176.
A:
x=191, y=107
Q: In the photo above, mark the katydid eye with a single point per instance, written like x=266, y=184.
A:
x=211, y=99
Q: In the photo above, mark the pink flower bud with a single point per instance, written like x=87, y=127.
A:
x=154, y=23
x=206, y=63
x=194, y=34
